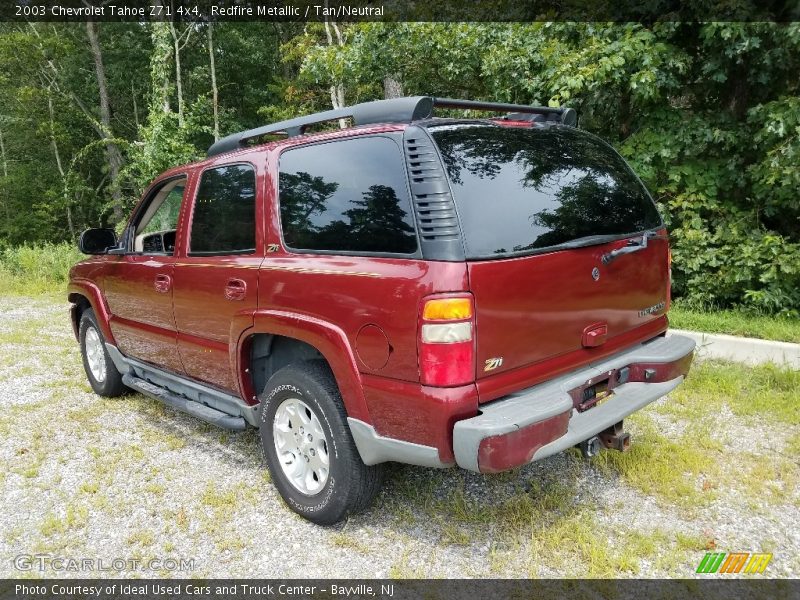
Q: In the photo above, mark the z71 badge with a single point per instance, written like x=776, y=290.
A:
x=492, y=363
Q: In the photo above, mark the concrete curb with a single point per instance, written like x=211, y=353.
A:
x=750, y=351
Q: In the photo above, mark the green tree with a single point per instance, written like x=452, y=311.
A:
x=707, y=113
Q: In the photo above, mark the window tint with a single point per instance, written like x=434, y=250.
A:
x=154, y=232
x=166, y=217
x=224, y=212
x=349, y=195
x=518, y=190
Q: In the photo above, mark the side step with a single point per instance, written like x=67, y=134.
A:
x=201, y=411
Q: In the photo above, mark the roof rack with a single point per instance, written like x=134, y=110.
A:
x=395, y=110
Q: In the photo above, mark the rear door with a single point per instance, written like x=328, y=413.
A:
x=216, y=276
x=544, y=212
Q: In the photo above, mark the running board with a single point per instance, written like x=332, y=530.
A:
x=185, y=389
x=190, y=407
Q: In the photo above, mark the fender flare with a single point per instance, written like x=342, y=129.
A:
x=92, y=293
x=327, y=338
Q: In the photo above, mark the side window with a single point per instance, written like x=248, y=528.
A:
x=155, y=229
x=349, y=195
x=224, y=218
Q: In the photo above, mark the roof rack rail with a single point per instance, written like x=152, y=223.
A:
x=566, y=116
x=394, y=110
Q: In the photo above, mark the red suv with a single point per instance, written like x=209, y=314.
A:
x=433, y=291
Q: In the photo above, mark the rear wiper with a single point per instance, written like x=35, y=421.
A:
x=634, y=245
x=588, y=240
x=581, y=242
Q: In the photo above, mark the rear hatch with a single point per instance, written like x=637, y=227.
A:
x=540, y=207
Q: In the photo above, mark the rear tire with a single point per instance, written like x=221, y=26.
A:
x=308, y=448
x=100, y=369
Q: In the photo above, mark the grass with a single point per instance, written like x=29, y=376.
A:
x=734, y=322
x=578, y=542
x=772, y=482
x=765, y=393
x=402, y=570
x=693, y=468
x=75, y=517
x=545, y=523
x=31, y=456
x=792, y=447
x=143, y=537
x=542, y=526
x=540, y=521
x=671, y=469
x=349, y=542
x=38, y=269
x=218, y=498
x=26, y=332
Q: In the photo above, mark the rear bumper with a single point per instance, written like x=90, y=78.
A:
x=543, y=420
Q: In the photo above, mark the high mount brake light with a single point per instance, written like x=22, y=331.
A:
x=446, y=344
x=669, y=280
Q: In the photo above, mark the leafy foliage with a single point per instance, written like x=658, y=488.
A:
x=708, y=115
x=33, y=269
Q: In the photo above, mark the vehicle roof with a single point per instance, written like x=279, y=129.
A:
x=244, y=153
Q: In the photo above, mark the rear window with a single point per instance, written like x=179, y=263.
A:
x=346, y=196
x=521, y=190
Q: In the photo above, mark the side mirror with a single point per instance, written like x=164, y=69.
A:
x=97, y=240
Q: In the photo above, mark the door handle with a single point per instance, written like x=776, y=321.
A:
x=236, y=289
x=162, y=283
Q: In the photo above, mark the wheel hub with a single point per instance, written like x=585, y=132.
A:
x=95, y=354
x=301, y=446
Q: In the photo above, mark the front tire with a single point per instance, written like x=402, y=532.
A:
x=100, y=369
x=308, y=448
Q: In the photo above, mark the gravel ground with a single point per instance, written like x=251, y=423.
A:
x=85, y=477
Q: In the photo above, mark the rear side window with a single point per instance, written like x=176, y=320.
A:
x=521, y=190
x=346, y=196
x=224, y=218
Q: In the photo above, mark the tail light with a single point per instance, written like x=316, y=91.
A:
x=446, y=341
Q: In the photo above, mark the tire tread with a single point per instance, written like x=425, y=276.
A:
x=112, y=387
x=364, y=481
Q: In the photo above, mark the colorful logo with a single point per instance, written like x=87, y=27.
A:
x=733, y=562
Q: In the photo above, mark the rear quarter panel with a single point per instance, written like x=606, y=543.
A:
x=373, y=302
x=354, y=292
